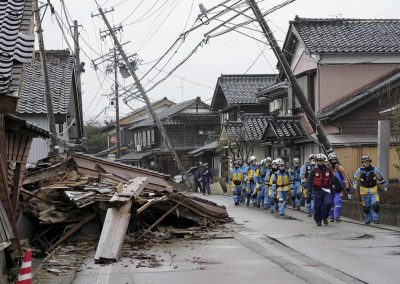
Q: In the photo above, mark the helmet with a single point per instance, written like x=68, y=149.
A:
x=280, y=162
x=332, y=156
x=321, y=157
x=275, y=162
x=252, y=158
x=366, y=159
x=263, y=161
x=296, y=161
x=205, y=164
x=312, y=157
x=268, y=159
x=236, y=163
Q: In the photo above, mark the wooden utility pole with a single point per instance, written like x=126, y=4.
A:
x=150, y=109
x=54, y=149
x=297, y=91
x=117, y=102
x=78, y=70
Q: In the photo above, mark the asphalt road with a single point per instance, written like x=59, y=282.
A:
x=265, y=249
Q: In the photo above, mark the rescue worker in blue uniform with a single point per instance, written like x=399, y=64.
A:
x=260, y=192
x=271, y=192
x=296, y=189
x=321, y=183
x=252, y=178
x=306, y=189
x=370, y=181
x=244, y=167
x=235, y=180
x=281, y=184
x=206, y=178
x=341, y=185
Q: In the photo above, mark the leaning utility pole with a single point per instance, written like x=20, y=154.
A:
x=298, y=92
x=147, y=101
x=117, y=102
x=78, y=69
x=50, y=113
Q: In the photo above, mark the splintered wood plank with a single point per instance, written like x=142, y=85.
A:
x=130, y=190
x=113, y=233
x=117, y=221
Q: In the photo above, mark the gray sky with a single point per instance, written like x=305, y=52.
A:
x=155, y=25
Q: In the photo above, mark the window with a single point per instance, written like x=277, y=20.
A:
x=148, y=138
x=144, y=138
x=152, y=137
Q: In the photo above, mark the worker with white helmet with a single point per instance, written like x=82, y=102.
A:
x=341, y=185
x=321, y=181
x=235, y=181
x=271, y=192
x=252, y=178
x=259, y=194
x=296, y=189
x=244, y=167
x=370, y=181
x=281, y=183
x=306, y=190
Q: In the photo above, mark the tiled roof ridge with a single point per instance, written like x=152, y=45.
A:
x=248, y=75
x=363, y=87
x=298, y=19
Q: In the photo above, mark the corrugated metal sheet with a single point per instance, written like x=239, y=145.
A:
x=40, y=147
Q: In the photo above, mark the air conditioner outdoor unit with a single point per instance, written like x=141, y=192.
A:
x=139, y=148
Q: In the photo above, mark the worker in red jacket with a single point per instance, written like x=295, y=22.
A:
x=321, y=182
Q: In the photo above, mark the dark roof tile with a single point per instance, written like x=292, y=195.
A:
x=242, y=89
x=349, y=35
x=61, y=67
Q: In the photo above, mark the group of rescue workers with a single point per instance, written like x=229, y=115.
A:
x=321, y=182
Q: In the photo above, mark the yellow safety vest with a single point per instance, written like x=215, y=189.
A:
x=282, y=185
x=237, y=177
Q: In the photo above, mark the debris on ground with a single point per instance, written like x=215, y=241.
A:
x=71, y=196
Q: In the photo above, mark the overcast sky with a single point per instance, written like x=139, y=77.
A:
x=152, y=26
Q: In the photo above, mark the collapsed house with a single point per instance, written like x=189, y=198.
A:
x=62, y=195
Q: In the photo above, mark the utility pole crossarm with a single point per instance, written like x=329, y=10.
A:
x=298, y=92
x=145, y=98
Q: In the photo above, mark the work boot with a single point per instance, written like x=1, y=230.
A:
x=332, y=220
x=338, y=220
x=247, y=202
x=367, y=222
x=309, y=215
x=376, y=222
x=298, y=208
x=326, y=221
x=318, y=223
x=236, y=203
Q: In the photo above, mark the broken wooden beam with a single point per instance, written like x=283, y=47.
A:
x=159, y=220
x=132, y=189
x=113, y=233
x=72, y=231
x=117, y=221
x=31, y=194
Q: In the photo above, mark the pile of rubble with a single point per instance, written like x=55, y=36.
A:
x=61, y=196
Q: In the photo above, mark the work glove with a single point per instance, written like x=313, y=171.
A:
x=349, y=196
x=385, y=189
